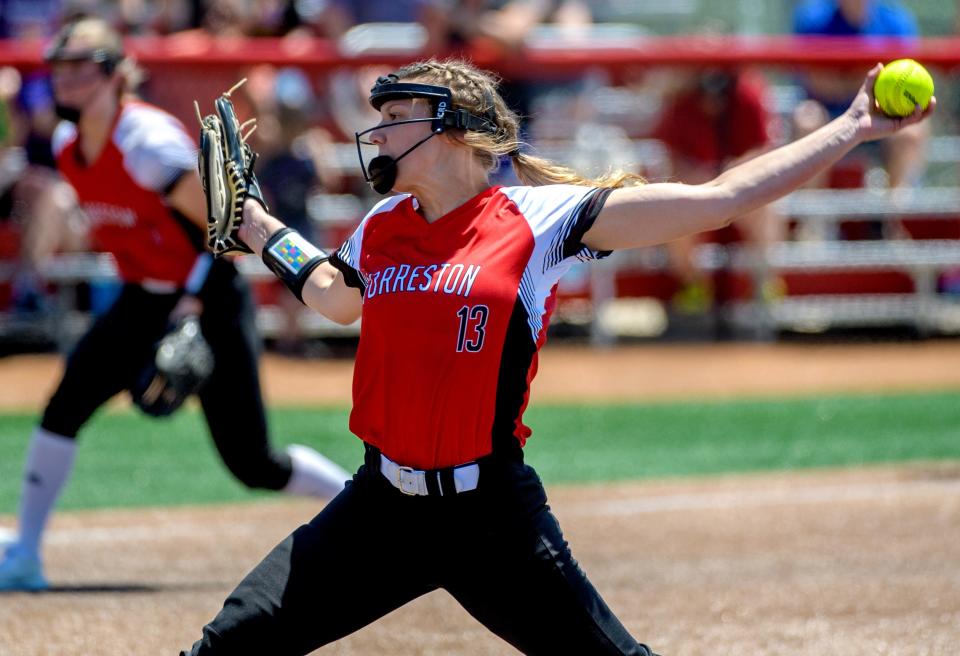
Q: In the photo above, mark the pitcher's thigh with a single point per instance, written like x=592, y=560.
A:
x=532, y=593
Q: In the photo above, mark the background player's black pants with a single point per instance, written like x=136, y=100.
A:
x=498, y=550
x=110, y=356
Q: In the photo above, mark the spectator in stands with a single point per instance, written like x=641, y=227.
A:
x=40, y=204
x=714, y=121
x=286, y=168
x=29, y=19
x=226, y=18
x=157, y=16
x=504, y=23
x=334, y=18
x=273, y=17
x=294, y=165
x=830, y=91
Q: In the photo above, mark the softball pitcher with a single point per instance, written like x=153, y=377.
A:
x=455, y=282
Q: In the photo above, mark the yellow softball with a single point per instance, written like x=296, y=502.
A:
x=902, y=85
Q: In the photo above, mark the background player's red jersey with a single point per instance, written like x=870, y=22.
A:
x=454, y=312
x=121, y=193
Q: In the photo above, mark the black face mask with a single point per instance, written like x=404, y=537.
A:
x=71, y=113
x=67, y=113
x=381, y=172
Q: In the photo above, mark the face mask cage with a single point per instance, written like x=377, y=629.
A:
x=107, y=60
x=444, y=116
x=364, y=166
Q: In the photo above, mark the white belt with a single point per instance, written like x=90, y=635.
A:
x=414, y=481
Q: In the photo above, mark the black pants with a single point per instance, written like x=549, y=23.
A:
x=498, y=550
x=119, y=344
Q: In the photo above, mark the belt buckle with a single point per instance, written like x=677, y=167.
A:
x=408, y=484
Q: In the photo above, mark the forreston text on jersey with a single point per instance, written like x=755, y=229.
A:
x=447, y=278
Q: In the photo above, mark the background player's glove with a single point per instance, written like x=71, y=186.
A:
x=226, y=170
x=181, y=365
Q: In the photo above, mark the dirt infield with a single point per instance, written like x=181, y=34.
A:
x=839, y=562
x=624, y=374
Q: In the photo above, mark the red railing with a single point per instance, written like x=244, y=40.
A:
x=620, y=53
x=189, y=66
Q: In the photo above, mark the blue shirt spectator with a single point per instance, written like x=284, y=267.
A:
x=830, y=90
x=859, y=18
x=850, y=18
x=21, y=19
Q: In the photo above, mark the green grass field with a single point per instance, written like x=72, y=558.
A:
x=128, y=460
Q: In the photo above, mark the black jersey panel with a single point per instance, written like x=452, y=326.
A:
x=519, y=349
x=584, y=216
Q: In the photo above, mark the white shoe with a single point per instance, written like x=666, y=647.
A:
x=8, y=537
x=21, y=572
x=314, y=474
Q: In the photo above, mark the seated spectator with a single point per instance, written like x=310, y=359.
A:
x=504, y=23
x=334, y=18
x=829, y=91
x=29, y=20
x=40, y=204
x=713, y=121
x=158, y=17
x=226, y=18
x=294, y=165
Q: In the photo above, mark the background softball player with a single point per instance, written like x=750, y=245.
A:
x=134, y=170
x=455, y=280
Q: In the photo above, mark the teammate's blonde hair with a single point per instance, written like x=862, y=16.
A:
x=474, y=89
x=94, y=33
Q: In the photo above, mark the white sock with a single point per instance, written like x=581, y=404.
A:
x=314, y=474
x=49, y=462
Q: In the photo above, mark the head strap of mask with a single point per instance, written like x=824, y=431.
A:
x=441, y=98
x=382, y=171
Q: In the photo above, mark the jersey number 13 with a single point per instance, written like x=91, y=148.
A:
x=473, y=321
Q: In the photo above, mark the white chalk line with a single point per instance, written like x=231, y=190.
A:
x=888, y=491
x=753, y=498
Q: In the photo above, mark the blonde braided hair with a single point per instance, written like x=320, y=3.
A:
x=474, y=89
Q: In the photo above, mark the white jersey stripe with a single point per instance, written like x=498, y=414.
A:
x=349, y=252
x=552, y=212
x=534, y=310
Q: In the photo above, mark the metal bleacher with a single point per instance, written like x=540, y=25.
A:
x=65, y=322
x=924, y=308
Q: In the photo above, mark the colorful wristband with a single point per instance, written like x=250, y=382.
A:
x=292, y=258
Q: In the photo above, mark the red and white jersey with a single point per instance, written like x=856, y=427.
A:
x=122, y=192
x=454, y=313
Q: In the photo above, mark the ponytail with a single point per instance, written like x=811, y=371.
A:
x=475, y=90
x=537, y=171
